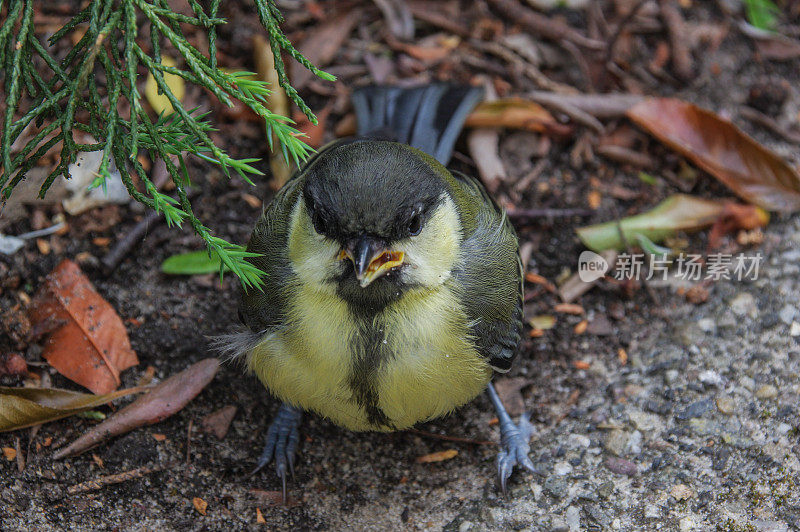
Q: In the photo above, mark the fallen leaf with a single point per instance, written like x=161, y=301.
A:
x=159, y=437
x=322, y=44
x=514, y=113
x=259, y=516
x=580, y=328
x=314, y=133
x=200, y=505
x=484, y=147
x=543, y=322
x=676, y=213
x=193, y=263
x=97, y=460
x=23, y=407
x=569, y=308
x=10, y=453
x=92, y=346
x=441, y=456
x=750, y=170
x=622, y=355
x=159, y=101
x=581, y=364
x=165, y=399
x=510, y=392
x=218, y=422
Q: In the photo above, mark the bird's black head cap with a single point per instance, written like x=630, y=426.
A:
x=384, y=189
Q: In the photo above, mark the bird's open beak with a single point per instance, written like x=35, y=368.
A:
x=370, y=258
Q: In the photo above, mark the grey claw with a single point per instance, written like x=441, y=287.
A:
x=514, y=448
x=281, y=445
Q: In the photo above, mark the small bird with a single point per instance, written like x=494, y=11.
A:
x=394, y=285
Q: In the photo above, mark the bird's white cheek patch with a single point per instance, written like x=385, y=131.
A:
x=430, y=256
x=313, y=257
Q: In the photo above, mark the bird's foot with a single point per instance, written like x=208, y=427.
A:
x=514, y=448
x=281, y=445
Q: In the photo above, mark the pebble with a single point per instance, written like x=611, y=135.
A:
x=556, y=487
x=710, y=378
x=687, y=524
x=794, y=330
x=671, y=376
x=621, y=466
x=651, y=511
x=574, y=519
x=696, y=409
x=643, y=421
x=615, y=442
x=767, y=391
x=681, y=492
x=465, y=526
x=744, y=304
x=562, y=468
x=634, y=445
x=784, y=428
x=707, y=325
x=725, y=404
x=787, y=314
x=578, y=440
x=747, y=382
x=605, y=490
x=559, y=525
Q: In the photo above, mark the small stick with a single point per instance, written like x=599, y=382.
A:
x=528, y=179
x=96, y=484
x=543, y=26
x=127, y=243
x=188, y=441
x=597, y=105
x=768, y=122
x=625, y=155
x=450, y=438
x=532, y=214
x=681, y=56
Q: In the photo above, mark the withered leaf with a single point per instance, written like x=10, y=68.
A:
x=92, y=346
x=161, y=402
x=750, y=170
x=440, y=456
x=23, y=407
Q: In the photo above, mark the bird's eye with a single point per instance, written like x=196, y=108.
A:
x=415, y=225
x=319, y=222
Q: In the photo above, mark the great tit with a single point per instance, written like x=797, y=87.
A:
x=394, y=286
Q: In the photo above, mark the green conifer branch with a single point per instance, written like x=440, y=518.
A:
x=90, y=87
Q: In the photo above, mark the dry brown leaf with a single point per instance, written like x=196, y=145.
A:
x=315, y=133
x=514, y=113
x=569, y=308
x=10, y=453
x=441, y=456
x=750, y=170
x=259, y=516
x=200, y=505
x=92, y=346
x=217, y=423
x=322, y=44
x=165, y=399
x=510, y=392
x=23, y=407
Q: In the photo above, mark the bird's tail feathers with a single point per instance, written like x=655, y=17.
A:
x=428, y=118
x=236, y=345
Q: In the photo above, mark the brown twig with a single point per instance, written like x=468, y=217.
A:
x=535, y=214
x=543, y=26
x=450, y=438
x=528, y=179
x=612, y=43
x=597, y=105
x=188, y=441
x=96, y=484
x=757, y=117
x=682, y=61
x=129, y=241
x=529, y=70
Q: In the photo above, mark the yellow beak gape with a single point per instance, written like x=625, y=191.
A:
x=378, y=266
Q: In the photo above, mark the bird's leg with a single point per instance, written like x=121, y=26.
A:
x=514, y=440
x=281, y=445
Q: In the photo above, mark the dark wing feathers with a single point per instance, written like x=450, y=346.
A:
x=490, y=251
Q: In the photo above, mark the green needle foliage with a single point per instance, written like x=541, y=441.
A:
x=85, y=91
